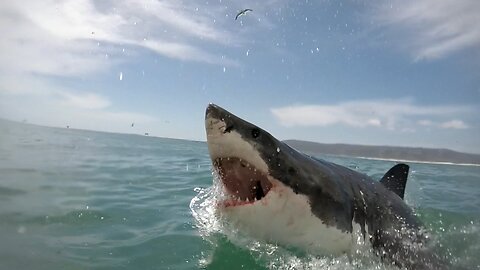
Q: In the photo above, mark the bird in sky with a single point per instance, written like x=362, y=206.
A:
x=243, y=12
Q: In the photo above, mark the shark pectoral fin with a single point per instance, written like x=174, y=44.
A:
x=395, y=179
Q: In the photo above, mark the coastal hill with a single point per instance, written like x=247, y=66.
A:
x=386, y=152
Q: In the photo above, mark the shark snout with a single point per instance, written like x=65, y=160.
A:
x=214, y=124
x=218, y=121
x=214, y=112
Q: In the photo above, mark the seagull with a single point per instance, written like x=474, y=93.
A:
x=243, y=12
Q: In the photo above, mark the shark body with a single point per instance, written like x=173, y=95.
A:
x=280, y=195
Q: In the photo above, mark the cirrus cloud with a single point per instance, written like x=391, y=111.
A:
x=71, y=38
x=431, y=29
x=78, y=37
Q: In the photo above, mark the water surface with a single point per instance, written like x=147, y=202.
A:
x=73, y=199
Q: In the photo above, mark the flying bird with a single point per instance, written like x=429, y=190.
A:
x=243, y=12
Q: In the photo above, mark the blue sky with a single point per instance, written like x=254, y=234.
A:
x=401, y=73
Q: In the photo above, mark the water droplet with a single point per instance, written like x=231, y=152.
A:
x=121, y=76
x=101, y=218
x=278, y=149
x=248, y=51
x=224, y=69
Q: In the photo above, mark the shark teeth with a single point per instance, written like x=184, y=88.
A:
x=233, y=200
x=243, y=183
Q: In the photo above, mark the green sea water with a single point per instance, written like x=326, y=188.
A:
x=73, y=199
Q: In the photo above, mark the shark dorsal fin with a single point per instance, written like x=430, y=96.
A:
x=395, y=179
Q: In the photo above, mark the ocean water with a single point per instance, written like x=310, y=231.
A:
x=73, y=199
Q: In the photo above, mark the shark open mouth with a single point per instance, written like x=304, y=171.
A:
x=242, y=181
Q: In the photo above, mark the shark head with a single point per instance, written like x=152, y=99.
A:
x=262, y=178
x=242, y=155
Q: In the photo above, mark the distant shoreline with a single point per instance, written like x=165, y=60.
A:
x=389, y=153
x=422, y=162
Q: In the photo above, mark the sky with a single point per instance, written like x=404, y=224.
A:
x=402, y=73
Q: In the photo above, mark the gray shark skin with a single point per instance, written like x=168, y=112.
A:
x=253, y=165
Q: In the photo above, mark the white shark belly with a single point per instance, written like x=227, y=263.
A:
x=285, y=218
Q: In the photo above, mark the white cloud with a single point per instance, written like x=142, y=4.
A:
x=63, y=107
x=39, y=101
x=432, y=29
x=71, y=38
x=16, y=86
x=374, y=122
x=78, y=37
x=426, y=122
x=85, y=100
x=186, y=52
x=389, y=114
x=451, y=124
x=454, y=124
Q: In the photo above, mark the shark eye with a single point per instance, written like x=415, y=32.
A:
x=255, y=133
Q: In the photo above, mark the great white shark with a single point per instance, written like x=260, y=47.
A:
x=280, y=195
